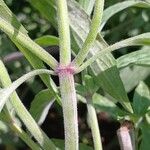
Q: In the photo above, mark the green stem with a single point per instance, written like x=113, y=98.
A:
x=64, y=32
x=94, y=125
x=142, y=39
x=6, y=92
x=27, y=76
x=66, y=78
x=26, y=42
x=97, y=17
x=23, y=135
x=69, y=103
x=24, y=115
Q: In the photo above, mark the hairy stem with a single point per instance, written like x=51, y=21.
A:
x=24, y=115
x=94, y=125
x=64, y=32
x=98, y=11
x=69, y=103
x=66, y=78
x=142, y=39
x=26, y=42
x=21, y=133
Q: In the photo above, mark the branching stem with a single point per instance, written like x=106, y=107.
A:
x=98, y=11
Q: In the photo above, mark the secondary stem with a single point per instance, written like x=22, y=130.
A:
x=98, y=11
x=21, y=133
x=26, y=42
x=69, y=103
x=94, y=125
x=24, y=115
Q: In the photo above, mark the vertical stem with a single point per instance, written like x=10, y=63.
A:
x=64, y=32
x=94, y=125
x=69, y=103
x=65, y=73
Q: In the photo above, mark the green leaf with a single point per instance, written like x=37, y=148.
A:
x=103, y=104
x=47, y=40
x=60, y=143
x=87, y=5
x=141, y=99
x=131, y=76
x=140, y=57
x=112, y=10
x=145, y=144
x=45, y=7
x=81, y=89
x=112, y=85
x=41, y=105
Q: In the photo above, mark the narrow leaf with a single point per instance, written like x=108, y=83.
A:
x=109, y=82
x=140, y=57
x=141, y=99
x=41, y=105
x=87, y=5
x=47, y=40
x=112, y=10
x=103, y=104
x=145, y=144
x=131, y=76
x=142, y=39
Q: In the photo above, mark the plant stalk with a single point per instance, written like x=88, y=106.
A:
x=66, y=79
x=64, y=32
x=94, y=125
x=17, y=130
x=24, y=115
x=26, y=42
x=142, y=39
x=97, y=17
x=69, y=104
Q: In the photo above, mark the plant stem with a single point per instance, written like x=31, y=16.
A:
x=142, y=39
x=94, y=125
x=95, y=24
x=24, y=115
x=64, y=32
x=7, y=91
x=26, y=42
x=66, y=79
x=69, y=103
x=23, y=135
